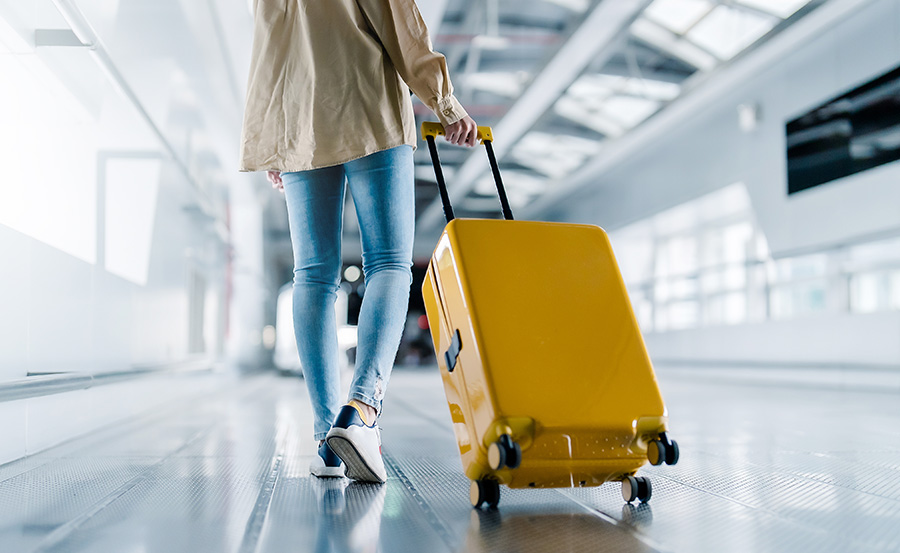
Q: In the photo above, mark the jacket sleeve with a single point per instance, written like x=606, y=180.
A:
x=401, y=30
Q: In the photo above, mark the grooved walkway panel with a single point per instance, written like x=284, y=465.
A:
x=761, y=470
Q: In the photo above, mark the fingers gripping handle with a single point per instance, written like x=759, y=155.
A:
x=432, y=130
x=435, y=130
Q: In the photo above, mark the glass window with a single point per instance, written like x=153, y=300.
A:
x=706, y=262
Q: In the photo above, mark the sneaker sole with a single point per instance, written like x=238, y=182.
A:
x=328, y=472
x=357, y=468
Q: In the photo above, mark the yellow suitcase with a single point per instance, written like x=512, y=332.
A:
x=545, y=371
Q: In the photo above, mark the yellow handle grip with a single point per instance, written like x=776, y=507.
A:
x=436, y=129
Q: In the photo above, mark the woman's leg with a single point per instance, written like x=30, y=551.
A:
x=315, y=201
x=383, y=189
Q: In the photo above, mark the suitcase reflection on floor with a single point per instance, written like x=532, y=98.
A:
x=493, y=530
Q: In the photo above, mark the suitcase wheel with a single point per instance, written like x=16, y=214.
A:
x=504, y=453
x=659, y=452
x=484, y=492
x=672, y=453
x=636, y=487
x=656, y=452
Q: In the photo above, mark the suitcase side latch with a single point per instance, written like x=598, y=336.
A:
x=452, y=353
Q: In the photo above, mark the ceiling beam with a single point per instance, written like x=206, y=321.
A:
x=595, y=37
x=703, y=91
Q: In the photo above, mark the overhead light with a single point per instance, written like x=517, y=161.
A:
x=678, y=15
x=352, y=273
x=726, y=31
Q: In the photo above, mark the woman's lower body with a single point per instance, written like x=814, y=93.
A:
x=382, y=186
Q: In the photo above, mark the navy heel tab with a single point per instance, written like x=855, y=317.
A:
x=349, y=416
x=328, y=455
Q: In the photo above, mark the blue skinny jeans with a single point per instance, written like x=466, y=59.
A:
x=383, y=189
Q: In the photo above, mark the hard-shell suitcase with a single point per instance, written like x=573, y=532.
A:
x=545, y=371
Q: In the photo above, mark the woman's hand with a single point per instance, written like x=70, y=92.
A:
x=275, y=178
x=462, y=133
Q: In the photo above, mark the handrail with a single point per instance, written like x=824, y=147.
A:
x=45, y=384
x=848, y=269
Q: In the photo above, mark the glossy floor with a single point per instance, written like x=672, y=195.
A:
x=762, y=469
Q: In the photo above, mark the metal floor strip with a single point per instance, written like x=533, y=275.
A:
x=437, y=525
x=261, y=508
x=257, y=520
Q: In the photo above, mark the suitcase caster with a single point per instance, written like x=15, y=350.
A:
x=663, y=450
x=636, y=487
x=504, y=453
x=484, y=492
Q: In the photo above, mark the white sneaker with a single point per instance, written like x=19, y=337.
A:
x=326, y=464
x=358, y=445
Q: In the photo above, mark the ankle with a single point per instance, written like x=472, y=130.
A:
x=367, y=410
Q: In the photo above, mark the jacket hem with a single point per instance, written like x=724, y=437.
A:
x=246, y=169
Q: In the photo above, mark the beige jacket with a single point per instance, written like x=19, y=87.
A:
x=328, y=82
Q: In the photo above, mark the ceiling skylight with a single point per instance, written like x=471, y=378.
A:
x=553, y=155
x=678, y=15
x=726, y=31
x=578, y=111
x=781, y=8
x=629, y=110
x=612, y=104
x=592, y=86
x=666, y=41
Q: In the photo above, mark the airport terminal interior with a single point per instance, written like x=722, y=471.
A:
x=741, y=156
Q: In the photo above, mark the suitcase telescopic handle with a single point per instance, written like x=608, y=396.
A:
x=432, y=130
